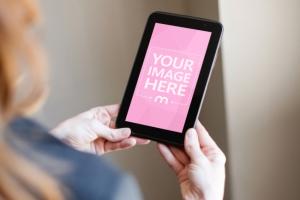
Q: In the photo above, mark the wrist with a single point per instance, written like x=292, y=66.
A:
x=59, y=132
x=200, y=195
x=213, y=195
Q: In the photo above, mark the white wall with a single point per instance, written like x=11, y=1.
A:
x=262, y=66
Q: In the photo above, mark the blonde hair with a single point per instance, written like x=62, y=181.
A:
x=22, y=89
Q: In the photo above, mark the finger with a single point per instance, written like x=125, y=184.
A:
x=112, y=110
x=115, y=146
x=205, y=139
x=141, y=141
x=180, y=155
x=208, y=145
x=105, y=114
x=170, y=158
x=113, y=135
x=192, y=146
x=112, y=123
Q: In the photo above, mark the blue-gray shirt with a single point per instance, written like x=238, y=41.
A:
x=84, y=176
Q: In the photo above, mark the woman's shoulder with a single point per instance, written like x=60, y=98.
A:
x=87, y=176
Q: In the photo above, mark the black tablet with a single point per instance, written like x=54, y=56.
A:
x=169, y=77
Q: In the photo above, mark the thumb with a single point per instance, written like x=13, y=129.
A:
x=112, y=135
x=192, y=146
x=204, y=138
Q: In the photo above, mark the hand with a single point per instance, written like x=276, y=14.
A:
x=200, y=166
x=94, y=131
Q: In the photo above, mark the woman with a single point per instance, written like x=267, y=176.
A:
x=40, y=164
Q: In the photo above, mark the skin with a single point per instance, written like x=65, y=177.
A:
x=199, y=166
x=94, y=131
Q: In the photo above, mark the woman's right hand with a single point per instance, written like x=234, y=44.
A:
x=200, y=166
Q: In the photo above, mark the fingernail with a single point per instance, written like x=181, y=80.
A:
x=147, y=142
x=128, y=142
x=126, y=131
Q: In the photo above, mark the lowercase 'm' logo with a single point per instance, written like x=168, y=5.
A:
x=161, y=99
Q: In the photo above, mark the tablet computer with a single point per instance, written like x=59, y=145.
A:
x=169, y=77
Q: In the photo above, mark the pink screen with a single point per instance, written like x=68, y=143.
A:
x=168, y=77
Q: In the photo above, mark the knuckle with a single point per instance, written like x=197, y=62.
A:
x=189, y=148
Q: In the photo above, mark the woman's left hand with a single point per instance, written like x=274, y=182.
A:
x=94, y=131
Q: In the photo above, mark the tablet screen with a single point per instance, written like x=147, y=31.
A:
x=168, y=77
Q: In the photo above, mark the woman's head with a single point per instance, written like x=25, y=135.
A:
x=22, y=81
x=22, y=88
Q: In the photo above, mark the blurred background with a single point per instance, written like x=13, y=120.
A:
x=252, y=107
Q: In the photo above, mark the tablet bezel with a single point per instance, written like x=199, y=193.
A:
x=157, y=134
